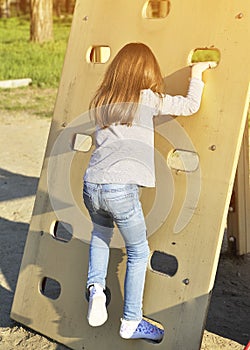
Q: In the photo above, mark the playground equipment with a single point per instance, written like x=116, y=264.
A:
x=238, y=224
x=196, y=162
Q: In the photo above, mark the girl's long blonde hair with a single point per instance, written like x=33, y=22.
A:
x=133, y=69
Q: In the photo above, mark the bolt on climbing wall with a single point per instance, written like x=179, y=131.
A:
x=196, y=160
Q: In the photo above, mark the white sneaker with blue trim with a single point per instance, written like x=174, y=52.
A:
x=97, y=312
x=143, y=329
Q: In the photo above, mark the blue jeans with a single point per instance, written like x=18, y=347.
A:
x=109, y=203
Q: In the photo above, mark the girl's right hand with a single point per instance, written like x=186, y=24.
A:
x=200, y=67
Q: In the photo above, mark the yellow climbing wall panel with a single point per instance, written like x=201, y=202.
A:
x=186, y=213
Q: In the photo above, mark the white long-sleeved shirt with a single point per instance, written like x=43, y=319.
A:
x=125, y=154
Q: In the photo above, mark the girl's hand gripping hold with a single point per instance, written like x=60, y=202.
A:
x=200, y=67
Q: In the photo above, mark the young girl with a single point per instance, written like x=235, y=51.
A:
x=124, y=106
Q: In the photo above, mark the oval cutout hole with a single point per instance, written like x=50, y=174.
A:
x=62, y=231
x=154, y=9
x=106, y=291
x=99, y=54
x=164, y=263
x=182, y=160
x=50, y=288
x=204, y=55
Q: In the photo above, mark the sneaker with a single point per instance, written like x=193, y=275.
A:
x=97, y=312
x=143, y=329
x=128, y=328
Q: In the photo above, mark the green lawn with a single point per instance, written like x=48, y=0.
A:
x=19, y=58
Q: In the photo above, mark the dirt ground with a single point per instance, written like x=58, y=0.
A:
x=23, y=141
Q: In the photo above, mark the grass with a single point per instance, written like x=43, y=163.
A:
x=19, y=58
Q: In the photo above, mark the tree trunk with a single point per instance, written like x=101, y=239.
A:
x=23, y=6
x=57, y=5
x=4, y=8
x=69, y=6
x=41, y=23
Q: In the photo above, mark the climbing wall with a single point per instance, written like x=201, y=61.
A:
x=196, y=161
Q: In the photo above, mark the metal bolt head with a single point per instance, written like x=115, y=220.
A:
x=239, y=15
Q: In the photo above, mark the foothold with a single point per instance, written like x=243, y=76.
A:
x=156, y=9
x=98, y=54
x=82, y=143
x=204, y=55
x=61, y=231
x=212, y=148
x=41, y=233
x=163, y=263
x=182, y=160
x=186, y=281
x=231, y=239
x=50, y=288
x=106, y=291
x=64, y=124
x=85, y=18
x=239, y=15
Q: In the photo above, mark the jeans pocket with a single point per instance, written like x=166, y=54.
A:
x=122, y=206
